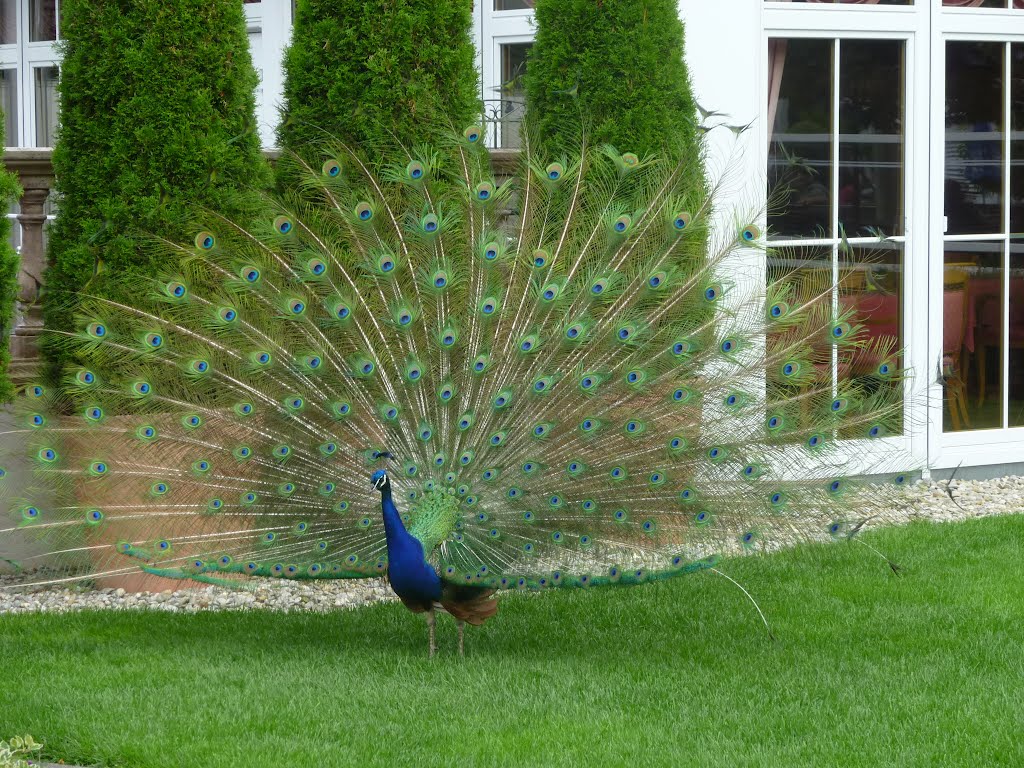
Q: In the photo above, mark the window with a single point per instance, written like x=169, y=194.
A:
x=851, y=2
x=983, y=262
x=9, y=103
x=46, y=105
x=42, y=20
x=506, y=109
x=836, y=184
x=984, y=3
x=29, y=30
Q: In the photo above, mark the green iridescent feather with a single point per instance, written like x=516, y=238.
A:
x=566, y=384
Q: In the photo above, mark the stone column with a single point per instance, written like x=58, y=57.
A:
x=35, y=173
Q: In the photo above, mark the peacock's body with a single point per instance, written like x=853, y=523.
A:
x=547, y=380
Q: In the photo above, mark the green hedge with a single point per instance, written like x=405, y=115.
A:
x=618, y=65
x=379, y=70
x=157, y=113
x=9, y=263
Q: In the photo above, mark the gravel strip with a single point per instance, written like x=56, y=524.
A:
x=971, y=499
x=264, y=594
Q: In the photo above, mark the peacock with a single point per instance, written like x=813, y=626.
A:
x=589, y=374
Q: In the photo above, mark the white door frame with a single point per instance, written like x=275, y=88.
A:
x=910, y=24
x=976, y=447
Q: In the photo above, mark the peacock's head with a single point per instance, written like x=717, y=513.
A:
x=380, y=480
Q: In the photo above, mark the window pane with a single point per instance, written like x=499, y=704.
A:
x=802, y=277
x=46, y=105
x=1016, y=393
x=873, y=289
x=512, y=99
x=855, y=2
x=42, y=20
x=8, y=20
x=869, y=294
x=974, y=137
x=1017, y=139
x=1016, y=335
x=9, y=102
x=978, y=3
x=513, y=5
x=871, y=137
x=800, y=152
x=972, y=330
x=873, y=279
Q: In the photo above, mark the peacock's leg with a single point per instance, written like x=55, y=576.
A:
x=430, y=625
x=462, y=630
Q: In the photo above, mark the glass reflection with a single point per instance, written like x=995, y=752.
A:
x=800, y=153
x=1017, y=138
x=46, y=105
x=974, y=137
x=42, y=16
x=857, y=2
x=871, y=137
x=869, y=297
x=972, y=336
x=979, y=3
x=8, y=22
x=9, y=103
x=1016, y=322
x=512, y=104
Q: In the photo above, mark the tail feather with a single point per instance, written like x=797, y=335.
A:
x=611, y=390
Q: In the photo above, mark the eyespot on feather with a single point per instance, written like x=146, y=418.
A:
x=681, y=220
x=363, y=211
x=430, y=224
x=415, y=170
x=484, y=192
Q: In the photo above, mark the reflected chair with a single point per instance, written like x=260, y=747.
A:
x=989, y=329
x=955, y=284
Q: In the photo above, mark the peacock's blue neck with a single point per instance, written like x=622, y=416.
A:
x=412, y=577
x=394, y=529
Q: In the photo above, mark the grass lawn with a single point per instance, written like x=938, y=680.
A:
x=869, y=669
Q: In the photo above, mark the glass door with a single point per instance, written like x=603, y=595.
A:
x=977, y=261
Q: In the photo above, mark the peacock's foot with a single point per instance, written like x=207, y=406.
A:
x=462, y=633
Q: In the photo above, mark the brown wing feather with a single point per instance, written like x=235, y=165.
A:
x=474, y=605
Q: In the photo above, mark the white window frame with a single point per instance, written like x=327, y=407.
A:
x=26, y=57
x=983, y=446
x=904, y=23
x=270, y=20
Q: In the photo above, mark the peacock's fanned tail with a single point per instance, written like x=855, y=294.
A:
x=573, y=356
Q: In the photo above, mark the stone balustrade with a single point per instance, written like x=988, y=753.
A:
x=35, y=173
